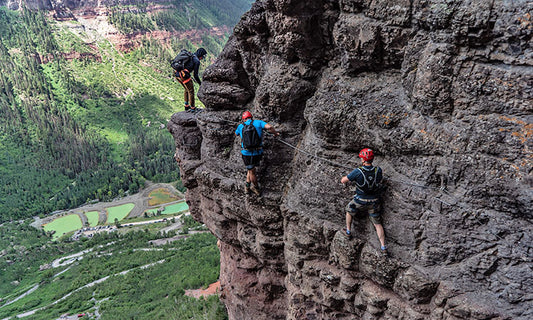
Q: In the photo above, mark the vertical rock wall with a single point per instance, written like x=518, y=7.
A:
x=441, y=90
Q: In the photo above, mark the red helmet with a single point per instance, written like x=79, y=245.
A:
x=367, y=155
x=246, y=115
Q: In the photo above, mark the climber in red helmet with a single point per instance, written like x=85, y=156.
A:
x=251, y=133
x=368, y=180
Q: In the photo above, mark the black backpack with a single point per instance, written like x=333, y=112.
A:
x=370, y=184
x=182, y=61
x=250, y=137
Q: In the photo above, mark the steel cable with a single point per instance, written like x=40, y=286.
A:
x=443, y=189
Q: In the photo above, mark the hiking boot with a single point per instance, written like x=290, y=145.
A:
x=187, y=108
x=255, y=189
x=384, y=253
x=347, y=233
x=246, y=189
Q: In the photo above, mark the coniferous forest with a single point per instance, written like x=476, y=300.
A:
x=132, y=279
x=82, y=121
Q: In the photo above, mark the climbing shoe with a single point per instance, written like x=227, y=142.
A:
x=384, y=252
x=255, y=189
x=347, y=233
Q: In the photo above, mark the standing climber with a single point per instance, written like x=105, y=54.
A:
x=185, y=63
x=368, y=180
x=251, y=133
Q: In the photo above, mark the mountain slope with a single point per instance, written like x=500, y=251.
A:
x=81, y=114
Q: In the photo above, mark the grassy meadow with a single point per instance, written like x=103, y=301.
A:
x=119, y=212
x=92, y=218
x=170, y=209
x=63, y=225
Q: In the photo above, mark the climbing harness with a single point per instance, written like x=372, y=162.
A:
x=369, y=182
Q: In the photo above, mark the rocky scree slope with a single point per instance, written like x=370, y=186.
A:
x=441, y=90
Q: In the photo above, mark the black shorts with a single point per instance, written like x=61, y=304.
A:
x=251, y=161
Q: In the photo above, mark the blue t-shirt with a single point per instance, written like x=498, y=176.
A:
x=358, y=177
x=259, y=126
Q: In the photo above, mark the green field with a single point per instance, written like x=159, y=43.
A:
x=175, y=208
x=92, y=217
x=119, y=212
x=63, y=225
x=172, y=209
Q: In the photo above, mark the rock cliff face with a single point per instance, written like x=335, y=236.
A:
x=441, y=90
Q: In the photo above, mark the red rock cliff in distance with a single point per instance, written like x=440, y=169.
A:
x=441, y=90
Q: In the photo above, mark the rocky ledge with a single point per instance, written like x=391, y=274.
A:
x=440, y=89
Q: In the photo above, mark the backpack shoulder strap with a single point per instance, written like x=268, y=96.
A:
x=364, y=178
x=364, y=173
x=375, y=180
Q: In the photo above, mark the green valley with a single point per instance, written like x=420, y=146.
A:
x=119, y=275
x=84, y=101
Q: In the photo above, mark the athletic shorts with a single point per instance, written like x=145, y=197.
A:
x=373, y=209
x=251, y=161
